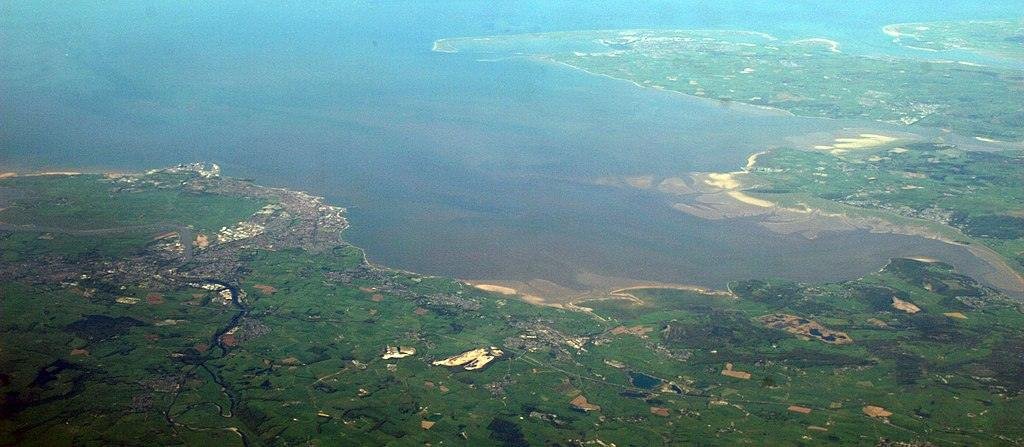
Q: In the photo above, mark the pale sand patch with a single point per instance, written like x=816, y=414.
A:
x=905, y=306
x=876, y=412
x=53, y=173
x=398, y=352
x=957, y=315
x=752, y=160
x=729, y=183
x=742, y=197
x=864, y=140
x=539, y=301
x=924, y=259
x=472, y=359
x=594, y=288
x=536, y=300
x=625, y=292
x=987, y=140
x=723, y=180
x=898, y=150
x=495, y=288
x=8, y=174
x=708, y=204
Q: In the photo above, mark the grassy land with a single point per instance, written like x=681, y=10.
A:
x=999, y=38
x=811, y=77
x=977, y=193
x=81, y=368
x=76, y=202
x=82, y=215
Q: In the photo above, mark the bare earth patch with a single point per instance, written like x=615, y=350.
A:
x=154, y=298
x=905, y=306
x=802, y=326
x=202, y=240
x=660, y=411
x=639, y=331
x=398, y=352
x=265, y=289
x=473, y=359
x=728, y=371
x=799, y=409
x=876, y=412
x=580, y=403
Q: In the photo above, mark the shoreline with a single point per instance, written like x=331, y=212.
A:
x=1003, y=277
x=761, y=109
x=546, y=293
x=572, y=299
x=443, y=46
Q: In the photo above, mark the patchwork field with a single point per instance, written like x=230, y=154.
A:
x=809, y=77
x=287, y=336
x=975, y=197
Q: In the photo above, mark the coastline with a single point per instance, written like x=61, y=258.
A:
x=1003, y=277
x=443, y=45
x=548, y=294
x=727, y=185
x=754, y=108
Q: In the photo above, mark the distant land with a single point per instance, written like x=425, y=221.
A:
x=809, y=77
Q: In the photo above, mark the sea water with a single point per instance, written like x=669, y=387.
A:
x=450, y=165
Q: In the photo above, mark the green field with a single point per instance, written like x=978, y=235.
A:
x=977, y=193
x=809, y=77
x=81, y=365
x=997, y=38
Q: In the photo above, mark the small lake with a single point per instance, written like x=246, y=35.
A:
x=641, y=380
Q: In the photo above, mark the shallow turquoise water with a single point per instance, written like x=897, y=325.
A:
x=450, y=165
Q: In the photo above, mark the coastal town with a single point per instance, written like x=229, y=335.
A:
x=179, y=255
